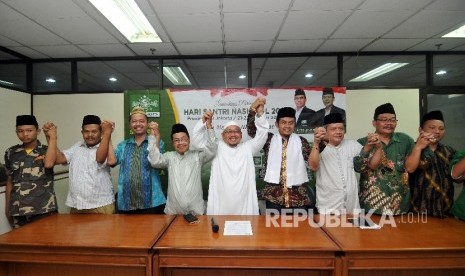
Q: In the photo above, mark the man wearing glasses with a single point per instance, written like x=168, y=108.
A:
x=185, y=195
x=384, y=186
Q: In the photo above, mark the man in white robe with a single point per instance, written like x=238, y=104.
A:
x=336, y=182
x=185, y=195
x=232, y=188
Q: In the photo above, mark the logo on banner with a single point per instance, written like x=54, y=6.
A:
x=150, y=103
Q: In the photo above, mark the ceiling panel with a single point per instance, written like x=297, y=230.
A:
x=297, y=46
x=61, y=51
x=380, y=22
x=177, y=7
x=74, y=28
x=311, y=25
x=252, y=26
x=79, y=30
x=107, y=50
x=427, y=24
x=144, y=49
x=449, y=5
x=29, y=52
x=247, y=47
x=392, y=44
x=443, y=44
x=255, y=6
x=200, y=48
x=326, y=5
x=394, y=5
x=193, y=28
x=343, y=45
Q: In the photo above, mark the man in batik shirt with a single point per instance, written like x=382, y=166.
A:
x=286, y=157
x=384, y=184
x=431, y=186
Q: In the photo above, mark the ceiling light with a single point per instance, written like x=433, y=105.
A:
x=308, y=75
x=113, y=79
x=381, y=70
x=51, y=80
x=242, y=76
x=176, y=75
x=127, y=17
x=441, y=72
x=6, y=83
x=460, y=32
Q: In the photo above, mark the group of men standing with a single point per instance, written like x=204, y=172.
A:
x=384, y=159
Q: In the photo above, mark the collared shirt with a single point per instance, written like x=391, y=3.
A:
x=139, y=185
x=185, y=194
x=298, y=111
x=336, y=181
x=431, y=186
x=32, y=192
x=386, y=189
x=90, y=184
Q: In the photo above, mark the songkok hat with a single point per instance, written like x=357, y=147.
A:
x=231, y=123
x=91, y=120
x=433, y=115
x=299, y=91
x=285, y=112
x=22, y=120
x=179, y=128
x=328, y=91
x=384, y=108
x=333, y=118
x=137, y=110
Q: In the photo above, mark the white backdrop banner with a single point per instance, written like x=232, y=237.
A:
x=233, y=104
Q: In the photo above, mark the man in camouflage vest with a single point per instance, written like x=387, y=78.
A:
x=29, y=190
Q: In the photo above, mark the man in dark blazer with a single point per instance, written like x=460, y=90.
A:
x=304, y=115
x=328, y=100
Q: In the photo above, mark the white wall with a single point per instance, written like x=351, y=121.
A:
x=361, y=104
x=12, y=103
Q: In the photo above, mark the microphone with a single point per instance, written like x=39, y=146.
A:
x=215, y=226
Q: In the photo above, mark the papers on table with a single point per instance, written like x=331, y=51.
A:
x=237, y=228
x=364, y=223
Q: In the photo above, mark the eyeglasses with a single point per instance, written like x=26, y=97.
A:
x=232, y=131
x=387, y=120
x=181, y=140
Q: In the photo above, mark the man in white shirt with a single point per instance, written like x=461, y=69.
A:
x=185, y=195
x=336, y=182
x=232, y=189
x=90, y=185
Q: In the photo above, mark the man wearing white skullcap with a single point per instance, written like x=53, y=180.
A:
x=232, y=189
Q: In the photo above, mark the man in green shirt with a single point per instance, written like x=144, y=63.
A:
x=384, y=184
x=457, y=171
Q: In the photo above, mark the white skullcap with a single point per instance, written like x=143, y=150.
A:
x=231, y=123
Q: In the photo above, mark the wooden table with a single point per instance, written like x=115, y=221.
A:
x=188, y=249
x=423, y=245
x=83, y=244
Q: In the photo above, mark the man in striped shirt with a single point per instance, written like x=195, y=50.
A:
x=90, y=185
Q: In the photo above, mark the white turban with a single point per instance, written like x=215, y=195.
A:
x=231, y=123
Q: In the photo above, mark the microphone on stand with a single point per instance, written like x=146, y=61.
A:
x=215, y=226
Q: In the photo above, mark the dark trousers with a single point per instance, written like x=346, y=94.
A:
x=154, y=210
